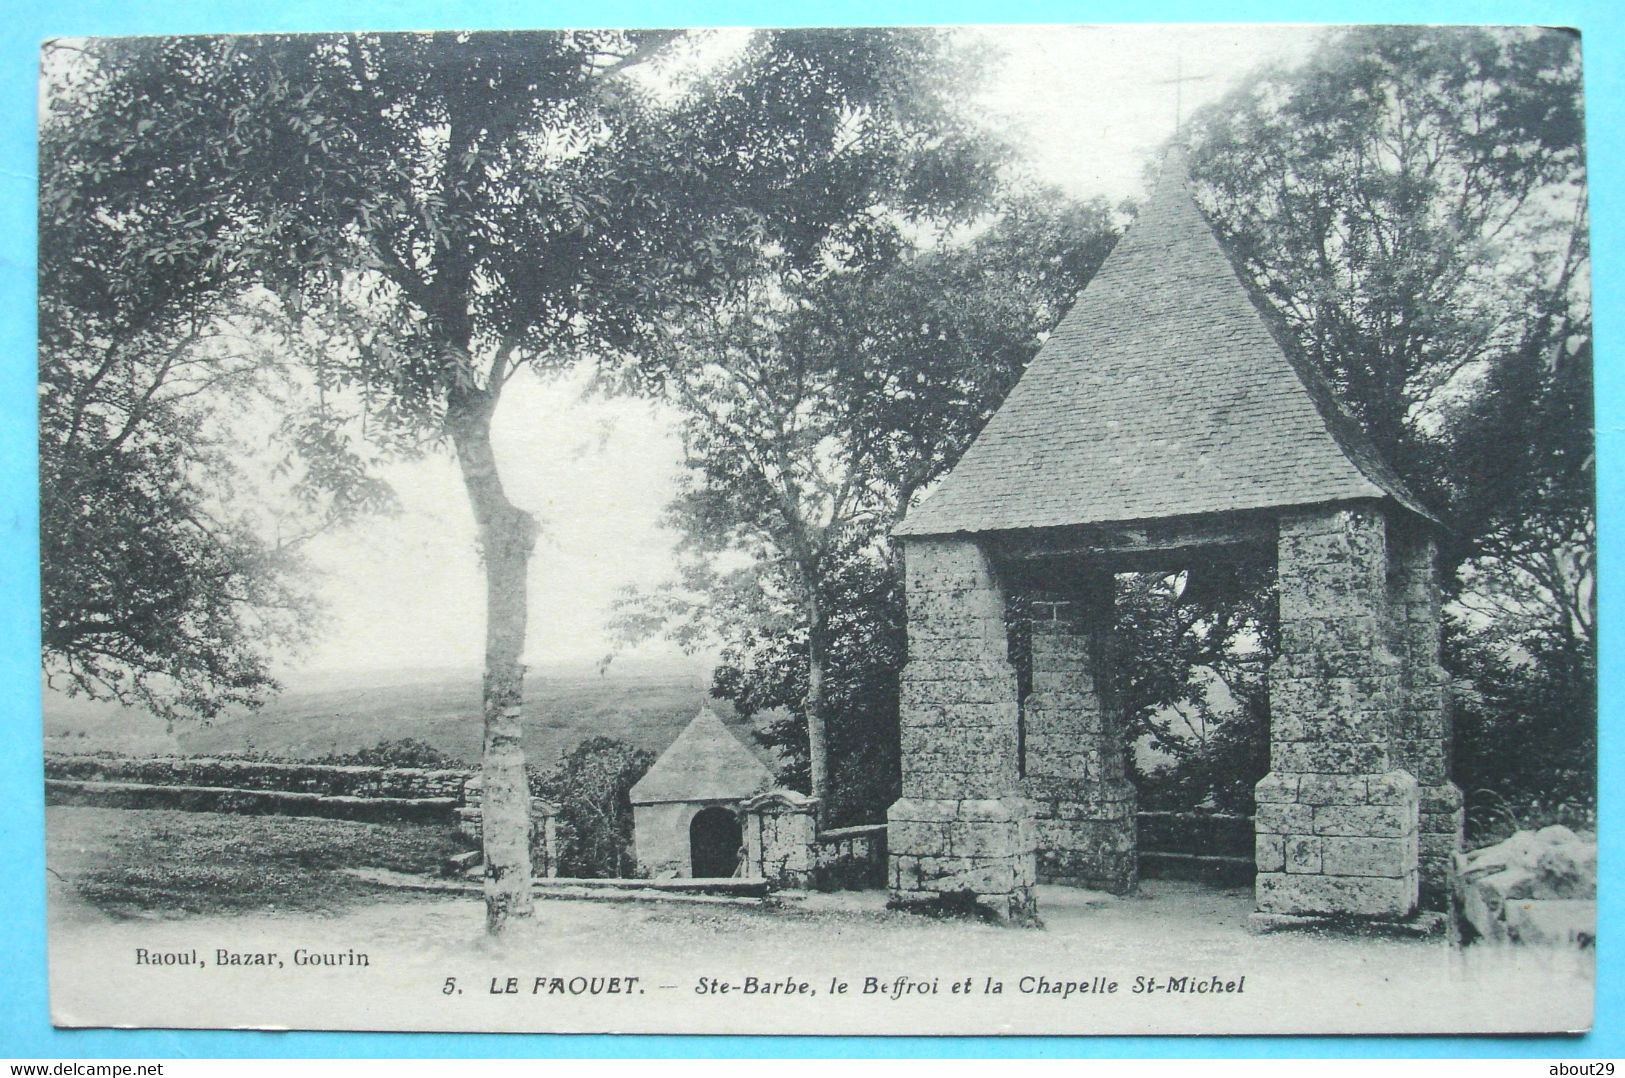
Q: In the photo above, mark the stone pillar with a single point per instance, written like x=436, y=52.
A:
x=544, y=837
x=544, y=827
x=1074, y=771
x=781, y=837
x=1423, y=734
x=962, y=835
x=1336, y=819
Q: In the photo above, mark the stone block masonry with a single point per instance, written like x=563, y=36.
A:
x=331, y=780
x=544, y=827
x=1337, y=819
x=1162, y=416
x=784, y=846
x=1072, y=747
x=1423, y=733
x=781, y=837
x=962, y=835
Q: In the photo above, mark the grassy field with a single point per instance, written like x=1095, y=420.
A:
x=343, y=715
x=156, y=861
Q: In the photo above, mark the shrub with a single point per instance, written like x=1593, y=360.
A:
x=592, y=785
x=396, y=752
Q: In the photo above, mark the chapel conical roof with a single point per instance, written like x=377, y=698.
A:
x=1163, y=392
x=706, y=763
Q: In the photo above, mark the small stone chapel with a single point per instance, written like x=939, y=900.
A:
x=685, y=809
x=1164, y=420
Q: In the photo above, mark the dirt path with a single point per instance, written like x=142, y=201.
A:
x=660, y=967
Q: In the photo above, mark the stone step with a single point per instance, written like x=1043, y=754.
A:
x=735, y=892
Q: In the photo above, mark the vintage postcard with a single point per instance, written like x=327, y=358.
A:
x=963, y=530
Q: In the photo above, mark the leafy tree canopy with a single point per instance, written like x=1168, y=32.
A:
x=813, y=410
x=170, y=567
x=1412, y=204
x=435, y=212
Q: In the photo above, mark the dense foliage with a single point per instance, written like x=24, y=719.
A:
x=1195, y=647
x=1411, y=203
x=592, y=785
x=435, y=213
x=170, y=570
x=812, y=411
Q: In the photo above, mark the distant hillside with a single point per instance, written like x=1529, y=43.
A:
x=339, y=715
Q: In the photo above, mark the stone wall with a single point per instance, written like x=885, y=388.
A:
x=336, y=780
x=1073, y=758
x=781, y=836
x=1337, y=817
x=290, y=788
x=544, y=835
x=851, y=858
x=1423, y=732
x=247, y=802
x=784, y=846
x=962, y=834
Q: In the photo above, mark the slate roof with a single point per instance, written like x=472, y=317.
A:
x=1165, y=391
x=706, y=763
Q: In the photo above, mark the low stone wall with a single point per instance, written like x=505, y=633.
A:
x=1207, y=846
x=784, y=846
x=283, y=788
x=255, y=787
x=1216, y=833
x=137, y=795
x=851, y=858
x=333, y=780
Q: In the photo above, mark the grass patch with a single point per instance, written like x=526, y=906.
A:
x=130, y=863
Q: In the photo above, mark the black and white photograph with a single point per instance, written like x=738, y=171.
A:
x=1076, y=529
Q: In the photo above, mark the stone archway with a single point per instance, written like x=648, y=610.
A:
x=1357, y=815
x=1073, y=749
x=714, y=838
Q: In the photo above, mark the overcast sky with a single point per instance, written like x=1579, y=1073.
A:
x=1089, y=105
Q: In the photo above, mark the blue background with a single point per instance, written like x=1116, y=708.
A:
x=25, y=1029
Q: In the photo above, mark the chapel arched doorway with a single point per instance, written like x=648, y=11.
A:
x=714, y=840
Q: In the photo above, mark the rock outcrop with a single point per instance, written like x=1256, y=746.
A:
x=1536, y=887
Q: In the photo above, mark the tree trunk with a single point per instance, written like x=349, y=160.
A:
x=817, y=740
x=507, y=536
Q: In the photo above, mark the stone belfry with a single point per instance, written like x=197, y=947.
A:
x=1167, y=419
